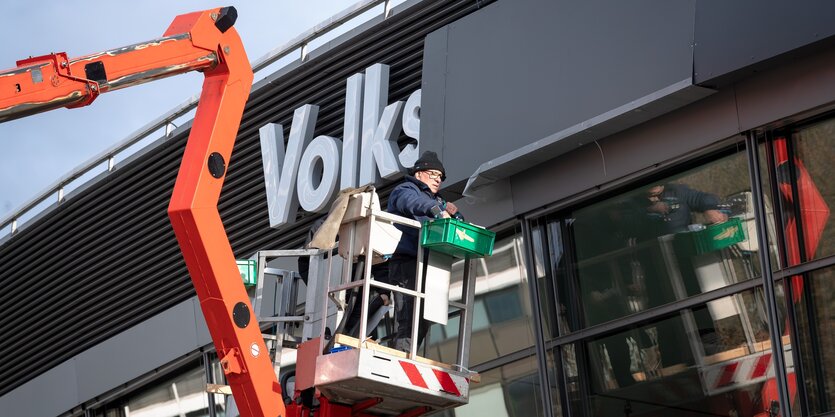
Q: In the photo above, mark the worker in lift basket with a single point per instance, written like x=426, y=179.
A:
x=415, y=198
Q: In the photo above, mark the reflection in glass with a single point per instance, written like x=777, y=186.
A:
x=768, y=199
x=803, y=190
x=815, y=317
x=183, y=394
x=815, y=188
x=678, y=366
x=502, y=310
x=511, y=390
x=549, y=265
x=669, y=240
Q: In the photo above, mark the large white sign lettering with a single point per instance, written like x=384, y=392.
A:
x=306, y=173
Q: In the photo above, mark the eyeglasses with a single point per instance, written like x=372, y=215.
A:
x=434, y=175
x=655, y=192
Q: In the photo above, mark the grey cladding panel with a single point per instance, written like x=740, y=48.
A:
x=132, y=353
x=630, y=151
x=733, y=35
x=50, y=395
x=203, y=336
x=432, y=105
x=552, y=64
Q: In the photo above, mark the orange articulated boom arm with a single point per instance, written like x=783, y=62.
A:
x=201, y=41
x=199, y=229
x=53, y=81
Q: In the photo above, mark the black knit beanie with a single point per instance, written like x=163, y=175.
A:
x=428, y=161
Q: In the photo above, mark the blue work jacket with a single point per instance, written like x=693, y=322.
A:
x=414, y=200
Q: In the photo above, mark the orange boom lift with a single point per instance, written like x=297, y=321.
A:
x=202, y=41
x=369, y=380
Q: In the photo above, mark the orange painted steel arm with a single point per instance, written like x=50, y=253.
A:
x=53, y=81
x=201, y=41
x=199, y=229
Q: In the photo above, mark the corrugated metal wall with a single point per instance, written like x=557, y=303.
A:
x=107, y=259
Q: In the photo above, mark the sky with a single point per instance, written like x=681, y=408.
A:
x=37, y=150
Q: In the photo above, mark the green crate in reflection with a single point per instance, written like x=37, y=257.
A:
x=248, y=269
x=719, y=236
x=457, y=238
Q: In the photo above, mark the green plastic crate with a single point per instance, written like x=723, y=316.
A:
x=719, y=236
x=248, y=269
x=457, y=238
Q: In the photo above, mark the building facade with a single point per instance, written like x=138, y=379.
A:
x=657, y=174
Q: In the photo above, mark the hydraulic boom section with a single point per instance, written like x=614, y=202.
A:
x=48, y=82
x=200, y=41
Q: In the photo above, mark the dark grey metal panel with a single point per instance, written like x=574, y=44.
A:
x=637, y=151
x=736, y=35
x=45, y=396
x=773, y=95
x=493, y=204
x=640, y=149
x=128, y=355
x=107, y=259
x=203, y=336
x=432, y=111
x=588, y=131
x=518, y=71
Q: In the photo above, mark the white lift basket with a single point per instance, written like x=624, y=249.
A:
x=361, y=372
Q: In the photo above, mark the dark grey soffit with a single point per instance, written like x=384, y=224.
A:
x=598, y=127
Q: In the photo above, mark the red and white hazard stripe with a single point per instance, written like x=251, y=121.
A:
x=739, y=372
x=448, y=385
x=432, y=379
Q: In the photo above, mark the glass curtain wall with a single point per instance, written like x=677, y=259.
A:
x=652, y=299
x=503, y=335
x=502, y=308
x=798, y=180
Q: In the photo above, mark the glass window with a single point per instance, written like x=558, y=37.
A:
x=183, y=394
x=810, y=178
x=550, y=268
x=503, y=306
x=695, y=362
x=816, y=337
x=802, y=189
x=480, y=318
x=509, y=391
x=502, y=310
x=673, y=238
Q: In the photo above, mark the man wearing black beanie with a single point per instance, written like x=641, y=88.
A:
x=415, y=198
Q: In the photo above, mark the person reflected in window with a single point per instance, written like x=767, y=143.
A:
x=670, y=208
x=674, y=204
